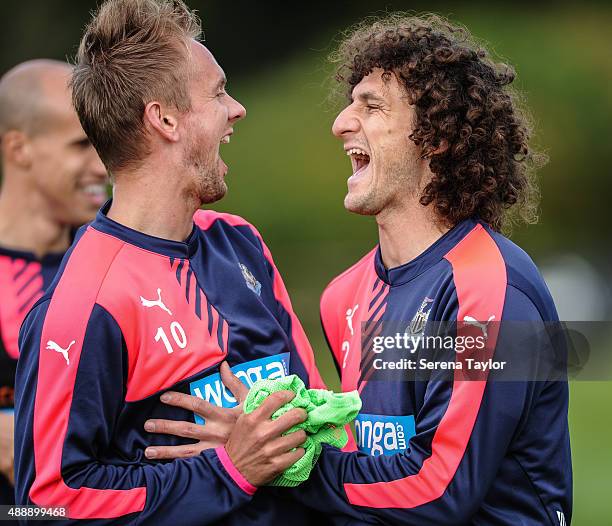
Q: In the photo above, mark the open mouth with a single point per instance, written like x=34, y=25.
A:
x=226, y=138
x=359, y=159
x=96, y=193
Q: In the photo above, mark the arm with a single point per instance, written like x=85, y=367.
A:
x=8, y=365
x=68, y=425
x=290, y=322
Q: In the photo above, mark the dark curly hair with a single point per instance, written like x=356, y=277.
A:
x=469, y=122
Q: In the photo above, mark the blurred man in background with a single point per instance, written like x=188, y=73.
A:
x=52, y=182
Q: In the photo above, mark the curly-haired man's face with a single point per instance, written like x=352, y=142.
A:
x=375, y=129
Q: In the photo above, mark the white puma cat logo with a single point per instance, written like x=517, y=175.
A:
x=349, y=318
x=64, y=352
x=156, y=303
x=468, y=320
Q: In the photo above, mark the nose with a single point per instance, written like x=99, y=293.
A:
x=236, y=111
x=345, y=123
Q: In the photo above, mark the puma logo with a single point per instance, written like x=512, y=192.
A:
x=349, y=318
x=156, y=303
x=64, y=352
x=468, y=320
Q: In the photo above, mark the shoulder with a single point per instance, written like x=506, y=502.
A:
x=524, y=278
x=209, y=220
x=348, y=279
x=81, y=276
x=491, y=271
x=206, y=218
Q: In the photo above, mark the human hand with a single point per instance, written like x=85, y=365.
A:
x=219, y=421
x=257, y=447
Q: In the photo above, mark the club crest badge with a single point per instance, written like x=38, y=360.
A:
x=250, y=280
x=417, y=325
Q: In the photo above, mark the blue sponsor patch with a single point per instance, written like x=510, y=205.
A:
x=383, y=434
x=212, y=389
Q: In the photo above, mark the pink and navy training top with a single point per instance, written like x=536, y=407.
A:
x=445, y=449
x=128, y=317
x=23, y=280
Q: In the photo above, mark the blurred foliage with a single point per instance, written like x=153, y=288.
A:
x=590, y=429
x=288, y=174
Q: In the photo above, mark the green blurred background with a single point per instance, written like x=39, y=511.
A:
x=288, y=174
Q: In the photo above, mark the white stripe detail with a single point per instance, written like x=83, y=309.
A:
x=561, y=517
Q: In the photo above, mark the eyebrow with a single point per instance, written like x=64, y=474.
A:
x=81, y=141
x=221, y=84
x=369, y=96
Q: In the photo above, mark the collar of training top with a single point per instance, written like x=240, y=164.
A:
x=167, y=247
x=434, y=253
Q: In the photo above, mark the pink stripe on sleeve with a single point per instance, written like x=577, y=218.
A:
x=479, y=273
x=238, y=478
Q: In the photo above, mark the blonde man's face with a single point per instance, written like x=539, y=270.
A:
x=208, y=124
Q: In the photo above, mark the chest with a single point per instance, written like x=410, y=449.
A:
x=181, y=317
x=374, y=312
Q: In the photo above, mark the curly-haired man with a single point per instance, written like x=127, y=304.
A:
x=440, y=156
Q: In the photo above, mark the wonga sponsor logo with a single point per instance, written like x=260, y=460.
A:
x=383, y=434
x=212, y=389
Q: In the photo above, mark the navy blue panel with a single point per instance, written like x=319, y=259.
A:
x=198, y=301
x=188, y=284
x=179, y=269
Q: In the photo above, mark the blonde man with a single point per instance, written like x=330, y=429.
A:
x=153, y=299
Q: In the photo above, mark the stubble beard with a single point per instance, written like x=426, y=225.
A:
x=397, y=177
x=207, y=184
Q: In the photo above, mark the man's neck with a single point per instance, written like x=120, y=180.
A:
x=404, y=232
x=151, y=202
x=26, y=224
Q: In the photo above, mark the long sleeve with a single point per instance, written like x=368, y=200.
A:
x=70, y=392
x=298, y=341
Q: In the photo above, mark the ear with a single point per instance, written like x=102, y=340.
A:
x=162, y=121
x=16, y=148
